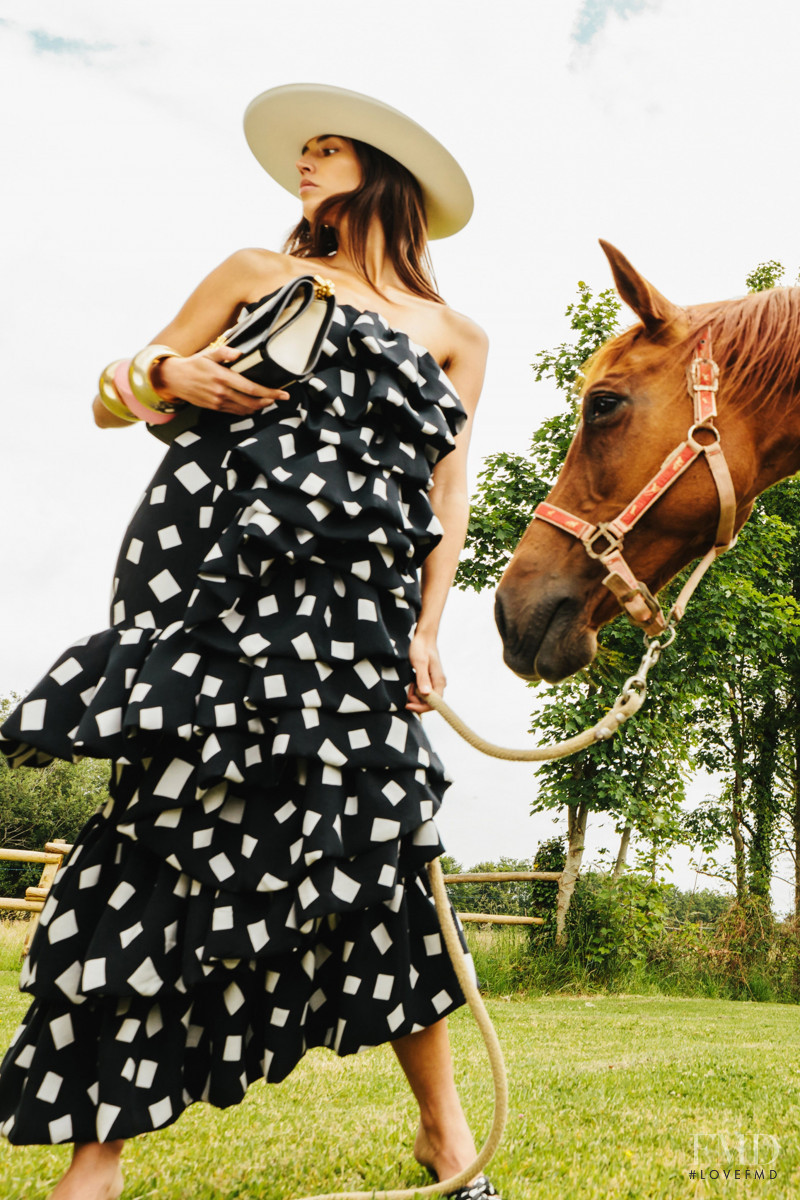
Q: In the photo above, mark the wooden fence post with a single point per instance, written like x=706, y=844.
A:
x=35, y=897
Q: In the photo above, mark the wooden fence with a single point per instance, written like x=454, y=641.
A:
x=501, y=877
x=53, y=855
x=51, y=859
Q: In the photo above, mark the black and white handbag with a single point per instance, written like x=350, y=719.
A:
x=279, y=342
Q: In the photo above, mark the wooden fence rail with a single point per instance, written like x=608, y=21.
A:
x=53, y=855
x=501, y=877
x=498, y=919
x=51, y=859
x=30, y=856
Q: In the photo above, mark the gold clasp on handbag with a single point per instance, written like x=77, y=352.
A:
x=323, y=288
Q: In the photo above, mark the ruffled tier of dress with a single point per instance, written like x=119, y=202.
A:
x=256, y=884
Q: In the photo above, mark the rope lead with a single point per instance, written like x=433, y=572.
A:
x=627, y=704
x=469, y=987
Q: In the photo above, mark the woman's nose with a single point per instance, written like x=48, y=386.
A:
x=303, y=166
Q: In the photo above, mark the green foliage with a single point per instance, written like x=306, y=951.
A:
x=511, y=485
x=551, y=855
x=747, y=956
x=702, y=906
x=594, y=321
x=512, y=899
x=516, y=898
x=40, y=804
x=639, y=776
x=624, y=938
x=766, y=275
x=509, y=488
x=612, y=923
x=743, y=628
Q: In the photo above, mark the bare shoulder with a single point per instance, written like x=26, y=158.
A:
x=467, y=338
x=256, y=266
x=244, y=277
x=466, y=359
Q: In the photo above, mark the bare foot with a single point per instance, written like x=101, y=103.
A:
x=444, y=1154
x=95, y=1174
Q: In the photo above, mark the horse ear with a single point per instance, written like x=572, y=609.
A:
x=653, y=309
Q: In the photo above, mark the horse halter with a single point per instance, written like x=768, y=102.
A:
x=642, y=607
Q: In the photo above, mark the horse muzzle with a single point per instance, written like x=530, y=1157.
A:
x=544, y=630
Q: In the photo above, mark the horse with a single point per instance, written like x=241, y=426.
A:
x=633, y=472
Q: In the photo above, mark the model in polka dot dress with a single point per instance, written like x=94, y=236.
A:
x=256, y=885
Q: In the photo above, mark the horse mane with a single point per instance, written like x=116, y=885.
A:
x=755, y=340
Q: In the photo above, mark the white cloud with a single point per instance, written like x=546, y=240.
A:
x=593, y=15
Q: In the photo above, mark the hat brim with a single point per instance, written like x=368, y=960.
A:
x=279, y=122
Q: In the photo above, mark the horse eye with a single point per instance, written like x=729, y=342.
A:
x=601, y=404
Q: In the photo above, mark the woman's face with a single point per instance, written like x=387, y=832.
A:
x=328, y=166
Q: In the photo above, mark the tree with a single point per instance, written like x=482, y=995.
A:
x=740, y=630
x=638, y=777
x=518, y=898
x=728, y=689
x=511, y=485
x=744, y=624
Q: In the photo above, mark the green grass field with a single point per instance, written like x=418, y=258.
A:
x=610, y=1097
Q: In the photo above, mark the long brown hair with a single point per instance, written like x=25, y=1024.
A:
x=390, y=191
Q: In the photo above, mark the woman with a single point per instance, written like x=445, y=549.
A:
x=257, y=885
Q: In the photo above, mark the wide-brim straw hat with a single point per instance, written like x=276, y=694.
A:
x=279, y=122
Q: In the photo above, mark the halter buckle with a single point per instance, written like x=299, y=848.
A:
x=699, y=385
x=602, y=530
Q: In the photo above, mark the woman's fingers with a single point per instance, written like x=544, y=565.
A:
x=423, y=678
x=239, y=384
x=228, y=386
x=417, y=703
x=222, y=355
x=428, y=674
x=202, y=380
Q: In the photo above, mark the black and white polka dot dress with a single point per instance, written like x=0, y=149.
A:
x=256, y=886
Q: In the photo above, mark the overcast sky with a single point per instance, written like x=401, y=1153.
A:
x=667, y=127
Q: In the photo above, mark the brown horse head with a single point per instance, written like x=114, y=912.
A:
x=635, y=411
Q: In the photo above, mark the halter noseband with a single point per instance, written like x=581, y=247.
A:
x=635, y=597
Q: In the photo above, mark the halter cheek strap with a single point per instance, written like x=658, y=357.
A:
x=604, y=540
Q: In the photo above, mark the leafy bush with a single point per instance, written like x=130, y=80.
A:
x=550, y=856
x=612, y=923
x=40, y=804
x=703, y=905
x=622, y=938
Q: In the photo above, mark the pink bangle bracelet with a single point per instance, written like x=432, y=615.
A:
x=129, y=400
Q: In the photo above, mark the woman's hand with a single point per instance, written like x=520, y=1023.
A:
x=202, y=380
x=424, y=658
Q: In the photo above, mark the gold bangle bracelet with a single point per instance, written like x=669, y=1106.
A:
x=110, y=397
x=139, y=378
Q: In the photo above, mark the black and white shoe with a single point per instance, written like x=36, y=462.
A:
x=482, y=1187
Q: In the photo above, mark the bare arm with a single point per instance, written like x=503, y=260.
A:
x=199, y=377
x=450, y=501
